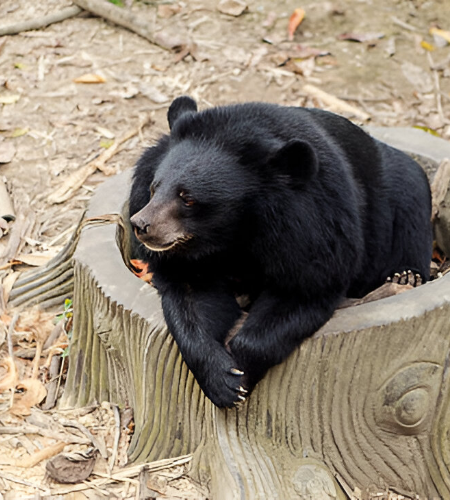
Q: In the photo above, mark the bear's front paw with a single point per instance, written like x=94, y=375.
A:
x=224, y=384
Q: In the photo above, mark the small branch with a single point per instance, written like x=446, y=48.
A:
x=404, y=25
x=41, y=22
x=437, y=89
x=334, y=103
x=37, y=457
x=119, y=16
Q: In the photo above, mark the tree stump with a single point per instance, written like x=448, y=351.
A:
x=359, y=408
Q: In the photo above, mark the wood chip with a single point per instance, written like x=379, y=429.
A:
x=90, y=78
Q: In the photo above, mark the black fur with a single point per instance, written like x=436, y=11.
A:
x=296, y=208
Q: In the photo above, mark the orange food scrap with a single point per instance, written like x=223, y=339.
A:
x=294, y=22
x=141, y=270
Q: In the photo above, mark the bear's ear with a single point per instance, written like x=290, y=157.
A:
x=297, y=160
x=179, y=106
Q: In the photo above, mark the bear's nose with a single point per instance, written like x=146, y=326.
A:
x=140, y=224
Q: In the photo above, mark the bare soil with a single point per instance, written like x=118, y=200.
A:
x=50, y=126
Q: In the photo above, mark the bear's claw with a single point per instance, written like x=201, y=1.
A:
x=406, y=278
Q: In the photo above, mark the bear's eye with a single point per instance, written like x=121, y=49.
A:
x=188, y=200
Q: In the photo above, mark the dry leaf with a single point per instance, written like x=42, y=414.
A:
x=90, y=78
x=19, y=132
x=436, y=32
x=7, y=151
x=4, y=225
x=153, y=93
x=303, y=67
x=427, y=46
x=305, y=52
x=232, y=7
x=294, y=22
x=420, y=79
x=106, y=143
x=361, y=37
x=165, y=10
x=9, y=98
x=170, y=40
x=8, y=374
x=127, y=92
x=36, y=259
x=34, y=393
x=105, y=132
x=8, y=283
x=270, y=19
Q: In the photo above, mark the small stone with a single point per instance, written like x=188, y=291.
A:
x=232, y=7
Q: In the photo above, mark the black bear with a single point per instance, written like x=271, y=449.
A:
x=293, y=208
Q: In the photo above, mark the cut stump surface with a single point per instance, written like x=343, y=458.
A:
x=362, y=404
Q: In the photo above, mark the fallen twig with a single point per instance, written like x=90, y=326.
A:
x=334, y=102
x=77, y=179
x=37, y=457
x=402, y=24
x=40, y=22
x=119, y=16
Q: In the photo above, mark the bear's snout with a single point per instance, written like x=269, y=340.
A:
x=158, y=227
x=139, y=223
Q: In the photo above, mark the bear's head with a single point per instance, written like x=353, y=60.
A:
x=213, y=179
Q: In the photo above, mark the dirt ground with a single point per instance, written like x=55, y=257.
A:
x=375, y=55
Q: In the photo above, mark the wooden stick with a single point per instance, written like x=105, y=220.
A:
x=41, y=22
x=335, y=103
x=77, y=179
x=119, y=16
x=37, y=457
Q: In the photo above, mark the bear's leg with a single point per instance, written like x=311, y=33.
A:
x=199, y=318
x=275, y=326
